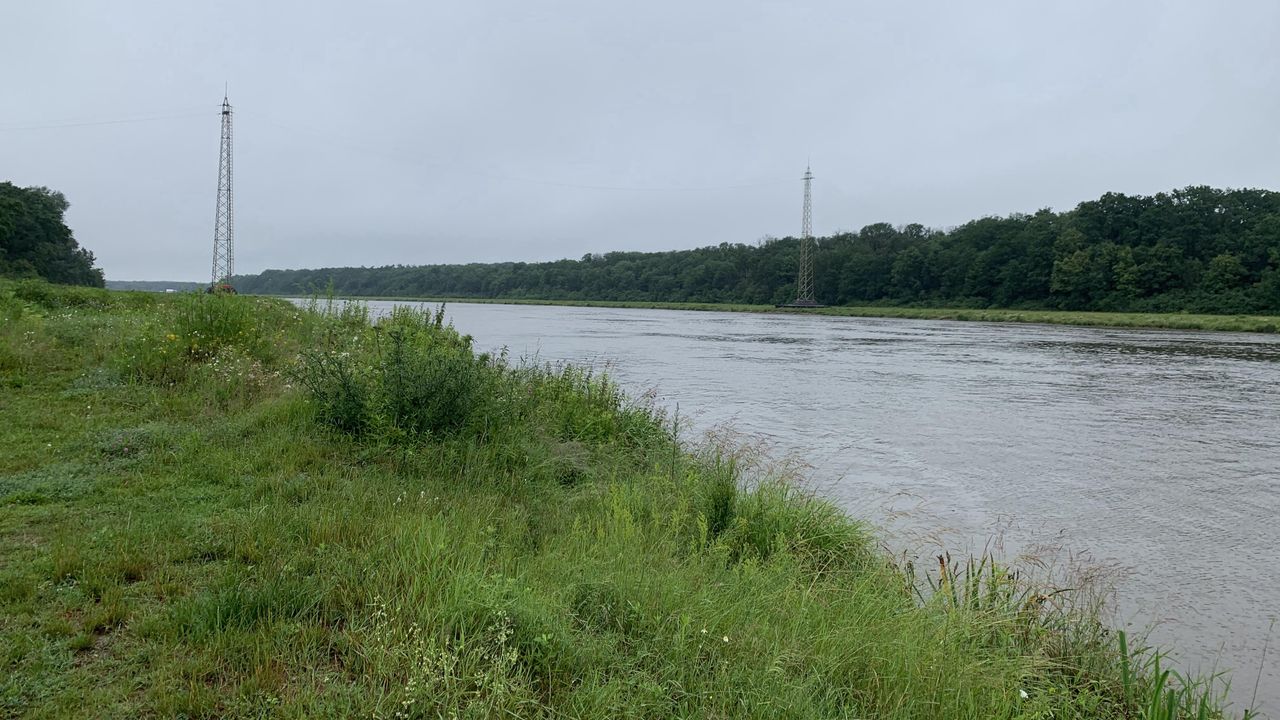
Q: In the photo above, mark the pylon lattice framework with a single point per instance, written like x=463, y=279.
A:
x=223, y=225
x=804, y=280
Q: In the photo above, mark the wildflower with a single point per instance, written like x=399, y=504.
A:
x=171, y=337
x=726, y=638
x=1023, y=693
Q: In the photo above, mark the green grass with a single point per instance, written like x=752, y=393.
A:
x=1169, y=321
x=215, y=506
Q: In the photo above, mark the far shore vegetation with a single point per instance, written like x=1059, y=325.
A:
x=222, y=506
x=1196, y=251
x=1168, y=321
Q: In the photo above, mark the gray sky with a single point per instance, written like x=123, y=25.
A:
x=376, y=133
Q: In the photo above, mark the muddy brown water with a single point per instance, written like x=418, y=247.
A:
x=1151, y=456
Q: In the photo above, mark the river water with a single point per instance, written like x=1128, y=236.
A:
x=1151, y=457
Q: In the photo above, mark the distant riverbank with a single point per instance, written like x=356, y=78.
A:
x=1168, y=321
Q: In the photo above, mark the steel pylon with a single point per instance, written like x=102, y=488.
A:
x=223, y=222
x=804, y=279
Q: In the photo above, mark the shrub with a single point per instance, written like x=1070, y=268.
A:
x=52, y=297
x=419, y=377
x=339, y=390
x=429, y=380
x=36, y=292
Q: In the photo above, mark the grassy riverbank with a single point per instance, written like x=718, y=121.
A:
x=1169, y=321
x=221, y=506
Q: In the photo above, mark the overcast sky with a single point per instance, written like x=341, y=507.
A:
x=371, y=133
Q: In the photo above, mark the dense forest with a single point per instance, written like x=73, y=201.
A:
x=1197, y=249
x=35, y=240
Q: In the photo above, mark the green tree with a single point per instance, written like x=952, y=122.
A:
x=1197, y=248
x=1224, y=273
x=910, y=274
x=35, y=240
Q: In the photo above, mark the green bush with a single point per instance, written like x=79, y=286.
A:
x=36, y=292
x=339, y=389
x=53, y=297
x=429, y=380
x=408, y=375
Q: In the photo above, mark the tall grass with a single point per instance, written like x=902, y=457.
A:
x=516, y=542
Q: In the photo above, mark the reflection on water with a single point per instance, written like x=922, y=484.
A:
x=1156, y=452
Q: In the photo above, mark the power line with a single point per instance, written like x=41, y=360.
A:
x=400, y=157
x=112, y=121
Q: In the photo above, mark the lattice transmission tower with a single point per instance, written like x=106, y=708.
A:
x=804, y=279
x=223, y=222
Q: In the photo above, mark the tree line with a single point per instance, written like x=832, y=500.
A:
x=35, y=240
x=157, y=285
x=1197, y=249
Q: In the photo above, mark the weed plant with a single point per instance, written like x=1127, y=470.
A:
x=379, y=523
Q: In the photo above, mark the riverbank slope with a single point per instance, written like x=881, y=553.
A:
x=220, y=506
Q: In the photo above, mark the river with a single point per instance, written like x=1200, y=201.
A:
x=1151, y=457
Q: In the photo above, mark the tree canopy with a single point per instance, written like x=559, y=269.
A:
x=1197, y=249
x=35, y=240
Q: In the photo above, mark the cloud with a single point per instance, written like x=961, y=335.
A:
x=380, y=133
